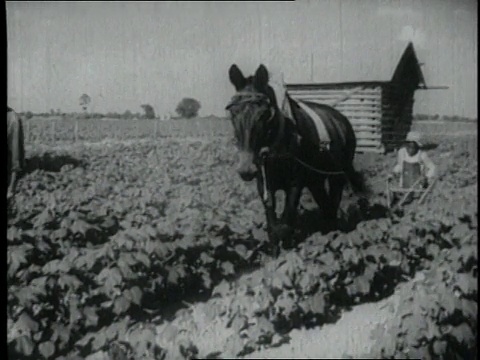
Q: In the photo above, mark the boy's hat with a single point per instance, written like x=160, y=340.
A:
x=414, y=136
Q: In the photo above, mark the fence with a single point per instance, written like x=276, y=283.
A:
x=55, y=130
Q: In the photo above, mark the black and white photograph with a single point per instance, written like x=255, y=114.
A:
x=242, y=179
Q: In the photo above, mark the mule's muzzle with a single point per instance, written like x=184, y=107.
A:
x=247, y=174
x=247, y=169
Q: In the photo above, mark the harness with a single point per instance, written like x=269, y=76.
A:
x=246, y=97
x=324, y=137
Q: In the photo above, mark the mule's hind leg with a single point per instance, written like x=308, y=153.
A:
x=336, y=185
x=317, y=189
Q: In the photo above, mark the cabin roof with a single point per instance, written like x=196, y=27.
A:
x=407, y=67
x=409, y=63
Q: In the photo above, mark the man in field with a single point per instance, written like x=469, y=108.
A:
x=16, y=152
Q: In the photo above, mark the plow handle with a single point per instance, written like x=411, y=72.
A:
x=427, y=191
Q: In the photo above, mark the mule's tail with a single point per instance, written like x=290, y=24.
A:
x=357, y=181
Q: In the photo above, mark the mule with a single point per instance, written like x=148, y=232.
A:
x=284, y=153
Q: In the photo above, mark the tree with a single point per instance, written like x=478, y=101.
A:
x=128, y=115
x=149, y=112
x=188, y=108
x=85, y=100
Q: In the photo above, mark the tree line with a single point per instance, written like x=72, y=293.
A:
x=421, y=117
x=186, y=108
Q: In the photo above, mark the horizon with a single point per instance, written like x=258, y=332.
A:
x=119, y=116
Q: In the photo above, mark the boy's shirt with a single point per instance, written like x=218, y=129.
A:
x=421, y=157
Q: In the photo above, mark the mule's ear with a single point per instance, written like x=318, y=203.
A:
x=261, y=77
x=236, y=77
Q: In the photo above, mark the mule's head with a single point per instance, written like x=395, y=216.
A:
x=252, y=111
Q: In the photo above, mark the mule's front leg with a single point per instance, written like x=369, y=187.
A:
x=292, y=199
x=289, y=214
x=268, y=200
x=269, y=205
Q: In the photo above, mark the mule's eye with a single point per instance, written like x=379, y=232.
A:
x=269, y=134
x=233, y=109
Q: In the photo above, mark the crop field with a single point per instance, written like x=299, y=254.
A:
x=155, y=249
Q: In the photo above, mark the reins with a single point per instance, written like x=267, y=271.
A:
x=322, y=172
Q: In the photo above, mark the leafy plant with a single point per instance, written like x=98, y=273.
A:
x=103, y=245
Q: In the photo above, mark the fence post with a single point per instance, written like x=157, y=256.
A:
x=53, y=130
x=155, y=129
x=28, y=131
x=116, y=133
x=76, y=130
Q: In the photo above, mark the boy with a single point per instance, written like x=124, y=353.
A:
x=413, y=162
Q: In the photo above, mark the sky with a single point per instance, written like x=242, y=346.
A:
x=124, y=54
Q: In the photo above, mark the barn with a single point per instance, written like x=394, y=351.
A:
x=380, y=111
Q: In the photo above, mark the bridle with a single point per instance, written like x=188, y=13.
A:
x=245, y=97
